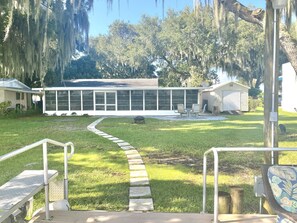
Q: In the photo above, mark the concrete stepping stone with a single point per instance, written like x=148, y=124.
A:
x=124, y=144
x=108, y=136
x=133, y=151
x=127, y=147
x=118, y=141
x=133, y=156
x=141, y=181
x=135, y=161
x=137, y=167
x=141, y=204
x=138, y=173
x=140, y=191
x=102, y=134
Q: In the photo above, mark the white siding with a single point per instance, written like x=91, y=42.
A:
x=231, y=100
x=289, y=88
x=244, y=101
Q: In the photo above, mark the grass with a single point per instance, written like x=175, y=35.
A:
x=98, y=172
x=172, y=150
x=173, y=153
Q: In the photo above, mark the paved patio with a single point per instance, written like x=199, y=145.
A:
x=132, y=217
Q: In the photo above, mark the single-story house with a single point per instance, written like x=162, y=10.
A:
x=289, y=88
x=117, y=97
x=230, y=96
x=19, y=94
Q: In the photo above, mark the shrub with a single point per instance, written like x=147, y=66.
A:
x=254, y=103
x=4, y=107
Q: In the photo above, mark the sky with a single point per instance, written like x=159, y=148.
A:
x=131, y=11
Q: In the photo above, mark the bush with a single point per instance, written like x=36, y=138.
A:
x=254, y=103
x=4, y=107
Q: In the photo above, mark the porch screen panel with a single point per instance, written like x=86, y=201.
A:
x=164, y=99
x=192, y=97
x=110, y=101
x=63, y=102
x=88, y=100
x=123, y=100
x=151, y=100
x=75, y=100
x=100, y=101
x=50, y=100
x=177, y=98
x=137, y=100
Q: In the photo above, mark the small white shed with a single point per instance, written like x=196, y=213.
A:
x=289, y=88
x=230, y=96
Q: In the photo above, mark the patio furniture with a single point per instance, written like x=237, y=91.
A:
x=181, y=110
x=195, y=110
x=280, y=188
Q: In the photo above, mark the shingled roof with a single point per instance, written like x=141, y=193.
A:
x=14, y=85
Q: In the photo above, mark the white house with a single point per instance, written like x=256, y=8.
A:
x=19, y=94
x=289, y=88
x=117, y=97
x=230, y=96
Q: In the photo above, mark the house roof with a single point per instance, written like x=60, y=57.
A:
x=111, y=83
x=217, y=86
x=14, y=85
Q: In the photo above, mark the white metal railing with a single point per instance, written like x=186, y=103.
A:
x=215, y=152
x=44, y=143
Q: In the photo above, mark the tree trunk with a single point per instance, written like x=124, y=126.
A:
x=268, y=81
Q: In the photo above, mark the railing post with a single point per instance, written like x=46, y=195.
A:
x=66, y=172
x=204, y=182
x=216, y=187
x=46, y=188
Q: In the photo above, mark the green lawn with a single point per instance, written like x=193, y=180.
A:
x=98, y=172
x=172, y=150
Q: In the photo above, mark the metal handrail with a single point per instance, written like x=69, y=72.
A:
x=44, y=143
x=215, y=152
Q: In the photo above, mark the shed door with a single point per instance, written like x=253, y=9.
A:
x=231, y=100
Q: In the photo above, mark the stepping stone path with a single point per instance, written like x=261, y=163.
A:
x=140, y=198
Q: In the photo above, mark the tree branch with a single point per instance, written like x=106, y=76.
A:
x=253, y=16
x=288, y=44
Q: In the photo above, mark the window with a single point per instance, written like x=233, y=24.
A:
x=151, y=100
x=75, y=100
x=50, y=100
x=123, y=100
x=23, y=96
x=164, y=100
x=192, y=97
x=18, y=96
x=88, y=101
x=63, y=100
x=137, y=100
x=177, y=98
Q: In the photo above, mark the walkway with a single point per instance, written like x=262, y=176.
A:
x=140, y=198
x=128, y=217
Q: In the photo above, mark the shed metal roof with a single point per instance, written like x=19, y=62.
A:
x=111, y=83
x=217, y=86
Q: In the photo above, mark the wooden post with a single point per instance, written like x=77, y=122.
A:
x=237, y=199
x=268, y=80
x=224, y=202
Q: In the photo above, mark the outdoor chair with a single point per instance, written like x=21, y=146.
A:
x=280, y=188
x=195, y=110
x=181, y=110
